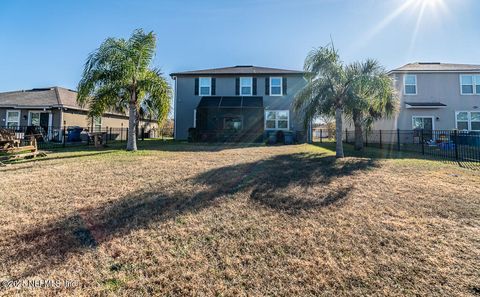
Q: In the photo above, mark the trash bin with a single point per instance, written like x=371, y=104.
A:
x=73, y=134
x=289, y=139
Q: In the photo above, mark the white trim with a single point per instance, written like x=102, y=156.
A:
x=200, y=86
x=469, y=119
x=94, y=125
x=405, y=84
x=175, y=109
x=424, y=117
x=276, y=120
x=474, y=84
x=281, y=86
x=195, y=118
x=18, y=118
x=251, y=86
x=29, y=122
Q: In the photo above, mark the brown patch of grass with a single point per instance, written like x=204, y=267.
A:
x=230, y=220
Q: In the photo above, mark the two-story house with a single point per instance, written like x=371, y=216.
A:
x=237, y=103
x=436, y=96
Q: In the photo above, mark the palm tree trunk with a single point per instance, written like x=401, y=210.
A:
x=338, y=133
x=132, y=118
x=357, y=122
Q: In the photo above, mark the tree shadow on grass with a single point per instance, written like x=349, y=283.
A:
x=281, y=183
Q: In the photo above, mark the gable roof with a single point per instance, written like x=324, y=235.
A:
x=437, y=67
x=40, y=97
x=239, y=69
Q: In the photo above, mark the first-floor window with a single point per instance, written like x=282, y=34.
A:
x=97, y=124
x=422, y=122
x=277, y=119
x=468, y=120
x=13, y=118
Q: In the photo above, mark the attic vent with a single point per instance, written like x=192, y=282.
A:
x=244, y=66
x=429, y=63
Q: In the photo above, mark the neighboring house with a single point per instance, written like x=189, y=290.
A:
x=52, y=109
x=237, y=103
x=436, y=96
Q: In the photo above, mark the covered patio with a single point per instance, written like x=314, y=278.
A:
x=230, y=119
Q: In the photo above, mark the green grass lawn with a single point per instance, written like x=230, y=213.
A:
x=178, y=219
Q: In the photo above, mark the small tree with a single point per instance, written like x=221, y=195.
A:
x=373, y=97
x=117, y=76
x=329, y=85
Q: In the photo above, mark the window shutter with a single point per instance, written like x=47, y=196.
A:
x=254, y=86
x=267, y=85
x=214, y=86
x=196, y=86
x=284, y=86
x=237, y=86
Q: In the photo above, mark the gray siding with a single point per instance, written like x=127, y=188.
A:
x=187, y=102
x=431, y=87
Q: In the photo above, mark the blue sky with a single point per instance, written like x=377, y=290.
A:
x=45, y=43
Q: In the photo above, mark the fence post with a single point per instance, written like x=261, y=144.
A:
x=455, y=133
x=423, y=145
x=143, y=133
x=321, y=135
x=126, y=138
x=64, y=135
x=398, y=139
x=380, y=131
x=346, y=135
x=110, y=133
x=366, y=137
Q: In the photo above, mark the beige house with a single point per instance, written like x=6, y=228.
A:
x=436, y=96
x=53, y=109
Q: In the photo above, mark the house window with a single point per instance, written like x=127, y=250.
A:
x=246, y=86
x=275, y=86
x=13, y=118
x=410, y=82
x=467, y=120
x=470, y=84
x=205, y=86
x=277, y=119
x=35, y=119
x=422, y=122
x=97, y=124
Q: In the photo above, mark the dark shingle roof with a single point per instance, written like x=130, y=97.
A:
x=240, y=69
x=42, y=97
x=435, y=66
x=420, y=104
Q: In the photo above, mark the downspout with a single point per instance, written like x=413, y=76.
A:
x=175, y=109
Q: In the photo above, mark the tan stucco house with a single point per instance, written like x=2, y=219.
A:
x=54, y=108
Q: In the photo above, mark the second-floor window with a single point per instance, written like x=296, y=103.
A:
x=410, y=83
x=470, y=84
x=205, y=86
x=245, y=86
x=275, y=86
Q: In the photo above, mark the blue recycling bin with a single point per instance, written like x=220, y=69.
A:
x=73, y=134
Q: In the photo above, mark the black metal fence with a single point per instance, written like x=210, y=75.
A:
x=455, y=145
x=67, y=136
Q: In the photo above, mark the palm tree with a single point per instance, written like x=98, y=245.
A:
x=117, y=76
x=373, y=97
x=327, y=90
